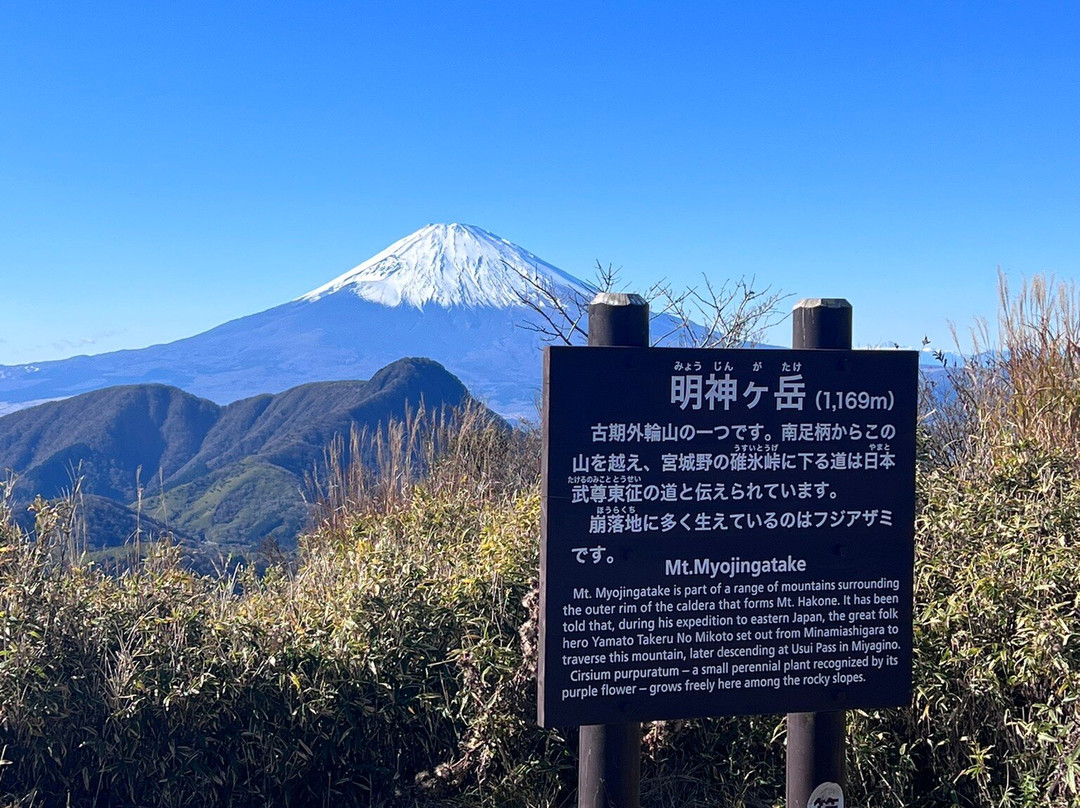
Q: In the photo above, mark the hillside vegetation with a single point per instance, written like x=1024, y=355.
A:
x=393, y=664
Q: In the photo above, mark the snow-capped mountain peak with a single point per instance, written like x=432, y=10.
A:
x=449, y=292
x=449, y=265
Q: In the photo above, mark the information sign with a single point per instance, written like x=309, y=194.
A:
x=725, y=532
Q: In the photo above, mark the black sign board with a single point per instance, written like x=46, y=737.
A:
x=725, y=532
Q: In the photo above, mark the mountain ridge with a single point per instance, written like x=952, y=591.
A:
x=228, y=474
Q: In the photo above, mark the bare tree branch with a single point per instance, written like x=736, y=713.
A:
x=563, y=309
x=735, y=314
x=732, y=315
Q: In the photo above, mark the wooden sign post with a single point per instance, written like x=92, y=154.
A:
x=816, y=741
x=609, y=763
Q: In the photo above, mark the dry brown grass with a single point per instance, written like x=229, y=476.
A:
x=462, y=453
x=1019, y=385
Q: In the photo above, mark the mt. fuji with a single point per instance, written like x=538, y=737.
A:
x=448, y=292
x=450, y=265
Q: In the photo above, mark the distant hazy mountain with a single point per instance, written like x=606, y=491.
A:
x=449, y=292
x=229, y=475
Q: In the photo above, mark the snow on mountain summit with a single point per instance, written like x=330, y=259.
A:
x=449, y=265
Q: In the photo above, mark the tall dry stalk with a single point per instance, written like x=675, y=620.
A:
x=1040, y=337
x=449, y=452
x=1020, y=387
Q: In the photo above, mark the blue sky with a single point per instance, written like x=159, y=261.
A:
x=165, y=167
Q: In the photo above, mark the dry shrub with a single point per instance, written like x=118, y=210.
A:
x=1017, y=389
x=994, y=719
x=387, y=669
x=462, y=452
